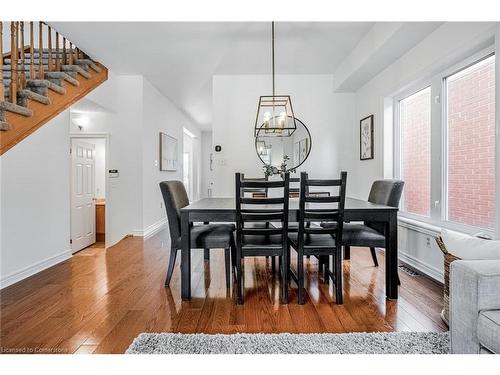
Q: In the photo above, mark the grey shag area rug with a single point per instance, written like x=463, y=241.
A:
x=287, y=343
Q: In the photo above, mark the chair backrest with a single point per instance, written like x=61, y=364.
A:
x=175, y=197
x=329, y=209
x=261, y=210
x=254, y=190
x=386, y=192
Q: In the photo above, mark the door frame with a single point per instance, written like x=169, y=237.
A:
x=106, y=137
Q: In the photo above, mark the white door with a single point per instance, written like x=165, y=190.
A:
x=82, y=195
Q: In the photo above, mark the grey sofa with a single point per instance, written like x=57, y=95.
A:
x=475, y=306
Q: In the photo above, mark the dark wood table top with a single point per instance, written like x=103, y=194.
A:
x=229, y=204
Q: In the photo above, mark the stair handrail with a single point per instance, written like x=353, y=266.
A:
x=69, y=54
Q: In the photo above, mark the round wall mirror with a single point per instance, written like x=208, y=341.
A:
x=275, y=150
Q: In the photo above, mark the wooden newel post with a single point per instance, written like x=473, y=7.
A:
x=64, y=61
x=58, y=64
x=23, y=67
x=40, y=50
x=50, y=49
x=2, y=95
x=32, y=49
x=13, y=62
x=70, y=53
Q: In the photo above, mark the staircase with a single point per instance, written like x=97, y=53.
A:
x=40, y=79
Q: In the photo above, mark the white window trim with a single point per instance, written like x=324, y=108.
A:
x=438, y=217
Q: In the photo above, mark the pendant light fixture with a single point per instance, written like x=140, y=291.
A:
x=275, y=116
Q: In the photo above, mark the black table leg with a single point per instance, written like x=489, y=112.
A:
x=185, y=257
x=391, y=257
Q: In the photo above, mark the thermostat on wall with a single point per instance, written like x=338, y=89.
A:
x=218, y=148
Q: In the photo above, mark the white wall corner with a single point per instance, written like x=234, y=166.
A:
x=26, y=272
x=151, y=229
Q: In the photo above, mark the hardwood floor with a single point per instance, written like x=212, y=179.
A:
x=99, y=300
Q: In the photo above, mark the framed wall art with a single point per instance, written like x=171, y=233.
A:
x=168, y=153
x=366, y=138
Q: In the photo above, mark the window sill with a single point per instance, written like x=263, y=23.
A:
x=419, y=226
x=435, y=230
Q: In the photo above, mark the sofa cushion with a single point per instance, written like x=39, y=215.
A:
x=470, y=248
x=488, y=330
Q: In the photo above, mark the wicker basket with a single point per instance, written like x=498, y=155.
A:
x=448, y=258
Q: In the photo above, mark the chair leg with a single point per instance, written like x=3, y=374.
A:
x=347, y=252
x=300, y=276
x=273, y=265
x=337, y=264
x=284, y=276
x=227, y=258
x=239, y=277
x=171, y=265
x=206, y=254
x=374, y=256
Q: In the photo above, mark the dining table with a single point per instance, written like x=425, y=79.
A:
x=223, y=210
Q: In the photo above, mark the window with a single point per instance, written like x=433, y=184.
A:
x=415, y=135
x=445, y=146
x=470, y=121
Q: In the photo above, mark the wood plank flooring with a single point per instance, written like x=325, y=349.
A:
x=99, y=300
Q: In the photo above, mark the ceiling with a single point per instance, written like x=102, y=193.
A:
x=180, y=58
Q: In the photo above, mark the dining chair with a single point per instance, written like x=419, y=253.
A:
x=206, y=236
x=261, y=240
x=320, y=241
x=372, y=234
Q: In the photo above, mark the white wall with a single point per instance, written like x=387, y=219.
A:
x=133, y=112
x=160, y=115
x=207, y=175
x=235, y=99
x=120, y=116
x=35, y=202
x=447, y=45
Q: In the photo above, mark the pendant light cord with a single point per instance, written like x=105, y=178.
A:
x=272, y=33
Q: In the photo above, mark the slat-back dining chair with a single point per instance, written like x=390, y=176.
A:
x=261, y=240
x=372, y=234
x=320, y=241
x=206, y=236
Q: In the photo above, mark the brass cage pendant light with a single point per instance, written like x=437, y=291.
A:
x=275, y=116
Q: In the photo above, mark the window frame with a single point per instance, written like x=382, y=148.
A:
x=423, y=85
x=439, y=146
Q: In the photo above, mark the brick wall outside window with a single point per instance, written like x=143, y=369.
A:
x=471, y=145
x=415, y=126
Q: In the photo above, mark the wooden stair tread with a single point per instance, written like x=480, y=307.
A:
x=46, y=83
x=76, y=68
x=63, y=76
x=4, y=126
x=89, y=63
x=28, y=94
x=14, y=108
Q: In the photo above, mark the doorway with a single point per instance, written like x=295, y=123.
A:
x=190, y=165
x=88, y=192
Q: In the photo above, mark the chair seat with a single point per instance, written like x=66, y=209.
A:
x=359, y=235
x=313, y=240
x=210, y=236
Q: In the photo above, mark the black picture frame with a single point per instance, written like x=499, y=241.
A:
x=366, y=146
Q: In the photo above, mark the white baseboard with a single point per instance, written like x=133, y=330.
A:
x=422, y=267
x=152, y=229
x=33, y=269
